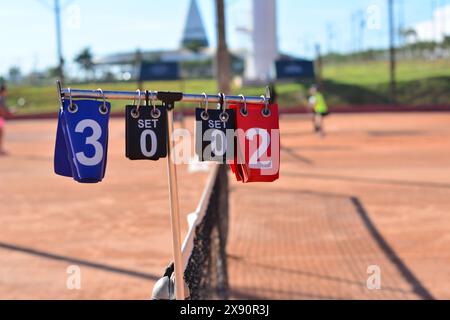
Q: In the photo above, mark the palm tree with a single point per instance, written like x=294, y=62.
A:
x=409, y=34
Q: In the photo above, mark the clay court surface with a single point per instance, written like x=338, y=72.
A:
x=376, y=191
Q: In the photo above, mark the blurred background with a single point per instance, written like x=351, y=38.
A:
x=369, y=52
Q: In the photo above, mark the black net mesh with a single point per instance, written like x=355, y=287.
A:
x=206, y=273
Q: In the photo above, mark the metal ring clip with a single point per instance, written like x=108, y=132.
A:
x=73, y=108
x=243, y=109
x=266, y=110
x=205, y=114
x=103, y=109
x=135, y=112
x=155, y=113
x=224, y=116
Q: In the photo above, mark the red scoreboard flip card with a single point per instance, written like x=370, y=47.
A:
x=257, y=152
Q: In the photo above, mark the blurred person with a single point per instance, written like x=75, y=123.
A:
x=320, y=109
x=3, y=113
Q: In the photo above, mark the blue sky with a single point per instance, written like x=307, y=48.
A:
x=28, y=36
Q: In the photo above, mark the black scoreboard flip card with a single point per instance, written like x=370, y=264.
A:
x=215, y=135
x=146, y=133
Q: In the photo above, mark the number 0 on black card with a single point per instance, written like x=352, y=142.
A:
x=146, y=133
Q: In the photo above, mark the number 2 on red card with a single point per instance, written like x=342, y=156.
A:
x=255, y=161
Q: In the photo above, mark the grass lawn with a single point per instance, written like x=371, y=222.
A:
x=377, y=72
x=419, y=82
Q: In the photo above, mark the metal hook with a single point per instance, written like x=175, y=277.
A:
x=147, y=94
x=266, y=110
x=220, y=95
x=244, y=110
x=70, y=96
x=206, y=101
x=156, y=113
x=139, y=98
x=205, y=115
x=269, y=94
x=153, y=100
x=72, y=106
x=103, y=109
x=135, y=112
x=224, y=116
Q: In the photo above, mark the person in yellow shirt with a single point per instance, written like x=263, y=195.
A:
x=319, y=107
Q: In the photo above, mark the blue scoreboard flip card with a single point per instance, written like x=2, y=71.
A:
x=82, y=140
x=62, y=164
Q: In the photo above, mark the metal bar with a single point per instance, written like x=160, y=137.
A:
x=175, y=213
x=123, y=95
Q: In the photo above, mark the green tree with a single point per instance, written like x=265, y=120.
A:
x=85, y=60
x=446, y=42
x=52, y=72
x=194, y=46
x=409, y=34
x=14, y=74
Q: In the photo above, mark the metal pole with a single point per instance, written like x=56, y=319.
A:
x=132, y=95
x=223, y=57
x=175, y=212
x=59, y=41
x=393, y=89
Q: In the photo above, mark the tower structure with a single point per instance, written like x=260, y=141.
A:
x=194, y=36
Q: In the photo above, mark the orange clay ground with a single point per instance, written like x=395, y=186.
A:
x=376, y=191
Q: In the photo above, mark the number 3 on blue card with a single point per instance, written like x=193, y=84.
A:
x=82, y=140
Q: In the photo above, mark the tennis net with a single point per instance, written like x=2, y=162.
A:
x=204, y=248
